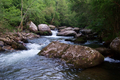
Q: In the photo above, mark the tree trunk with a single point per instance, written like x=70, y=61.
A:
x=53, y=18
x=21, y=23
x=23, y=16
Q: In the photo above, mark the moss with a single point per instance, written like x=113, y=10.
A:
x=52, y=52
x=65, y=48
x=50, y=56
x=70, y=61
x=18, y=46
x=37, y=32
x=83, y=58
x=40, y=53
x=45, y=33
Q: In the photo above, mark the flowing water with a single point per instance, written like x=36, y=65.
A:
x=27, y=65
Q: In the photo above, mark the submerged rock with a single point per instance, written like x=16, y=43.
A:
x=79, y=56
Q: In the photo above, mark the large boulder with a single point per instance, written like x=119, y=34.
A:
x=52, y=27
x=79, y=56
x=105, y=51
x=67, y=33
x=32, y=26
x=115, y=45
x=44, y=29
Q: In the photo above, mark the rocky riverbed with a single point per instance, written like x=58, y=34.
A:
x=15, y=40
x=26, y=64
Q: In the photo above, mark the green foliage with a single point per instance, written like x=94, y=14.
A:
x=6, y=27
x=103, y=16
x=82, y=12
x=56, y=12
x=9, y=13
x=12, y=15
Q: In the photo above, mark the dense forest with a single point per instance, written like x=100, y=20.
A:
x=103, y=16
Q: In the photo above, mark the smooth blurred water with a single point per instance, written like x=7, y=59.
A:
x=27, y=65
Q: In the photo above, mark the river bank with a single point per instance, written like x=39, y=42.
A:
x=11, y=41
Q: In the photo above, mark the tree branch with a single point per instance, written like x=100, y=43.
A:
x=23, y=16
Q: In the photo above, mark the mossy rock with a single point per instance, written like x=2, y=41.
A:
x=79, y=56
x=44, y=33
x=80, y=40
x=24, y=40
x=18, y=46
x=1, y=49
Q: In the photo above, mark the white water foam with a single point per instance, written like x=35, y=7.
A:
x=8, y=59
x=54, y=35
x=111, y=60
x=33, y=46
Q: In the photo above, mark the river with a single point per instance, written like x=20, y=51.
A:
x=27, y=65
